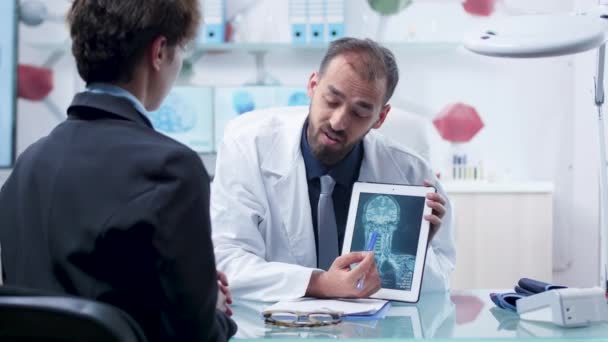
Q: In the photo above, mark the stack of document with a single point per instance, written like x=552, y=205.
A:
x=348, y=307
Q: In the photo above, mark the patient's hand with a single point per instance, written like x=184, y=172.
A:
x=224, y=297
x=437, y=203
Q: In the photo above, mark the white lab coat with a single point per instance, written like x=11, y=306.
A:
x=261, y=220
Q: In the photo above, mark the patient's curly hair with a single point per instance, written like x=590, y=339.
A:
x=109, y=37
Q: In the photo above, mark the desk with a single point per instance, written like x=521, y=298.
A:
x=464, y=315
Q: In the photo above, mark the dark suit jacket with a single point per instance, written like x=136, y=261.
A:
x=105, y=207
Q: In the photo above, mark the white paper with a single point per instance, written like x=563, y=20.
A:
x=366, y=306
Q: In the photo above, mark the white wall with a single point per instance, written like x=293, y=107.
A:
x=538, y=113
x=583, y=236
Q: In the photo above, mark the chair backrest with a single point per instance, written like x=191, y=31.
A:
x=32, y=315
x=410, y=130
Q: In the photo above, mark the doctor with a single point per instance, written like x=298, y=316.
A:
x=276, y=234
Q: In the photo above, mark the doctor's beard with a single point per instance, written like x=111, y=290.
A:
x=328, y=155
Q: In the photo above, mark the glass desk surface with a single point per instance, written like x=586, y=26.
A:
x=463, y=315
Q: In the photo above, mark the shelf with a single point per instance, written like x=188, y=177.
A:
x=452, y=187
x=274, y=47
x=57, y=46
x=258, y=47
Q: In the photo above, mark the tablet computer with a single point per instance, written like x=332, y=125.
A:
x=395, y=214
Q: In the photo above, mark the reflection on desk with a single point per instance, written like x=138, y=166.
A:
x=461, y=314
x=431, y=314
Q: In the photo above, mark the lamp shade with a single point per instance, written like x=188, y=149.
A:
x=538, y=35
x=458, y=122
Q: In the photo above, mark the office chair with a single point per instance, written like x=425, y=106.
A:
x=31, y=315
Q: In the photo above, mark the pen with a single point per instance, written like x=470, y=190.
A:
x=370, y=247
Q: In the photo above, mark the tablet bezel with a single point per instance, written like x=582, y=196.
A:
x=413, y=295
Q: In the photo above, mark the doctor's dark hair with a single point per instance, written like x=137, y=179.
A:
x=374, y=61
x=109, y=37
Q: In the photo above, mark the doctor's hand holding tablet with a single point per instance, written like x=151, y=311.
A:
x=437, y=203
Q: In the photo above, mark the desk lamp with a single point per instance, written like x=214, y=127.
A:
x=531, y=36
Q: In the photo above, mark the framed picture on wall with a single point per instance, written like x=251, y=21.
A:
x=186, y=115
x=231, y=102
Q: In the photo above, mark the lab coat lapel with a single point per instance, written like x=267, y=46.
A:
x=369, y=171
x=289, y=190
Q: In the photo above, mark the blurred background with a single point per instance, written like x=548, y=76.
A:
x=514, y=141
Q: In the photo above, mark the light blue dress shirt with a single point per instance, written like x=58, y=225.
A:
x=110, y=89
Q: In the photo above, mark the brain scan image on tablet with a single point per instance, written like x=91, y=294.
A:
x=388, y=219
x=396, y=219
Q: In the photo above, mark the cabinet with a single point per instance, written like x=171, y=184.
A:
x=503, y=232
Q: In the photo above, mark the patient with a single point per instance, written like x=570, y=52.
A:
x=105, y=207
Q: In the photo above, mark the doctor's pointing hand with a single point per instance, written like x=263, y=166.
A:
x=341, y=282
